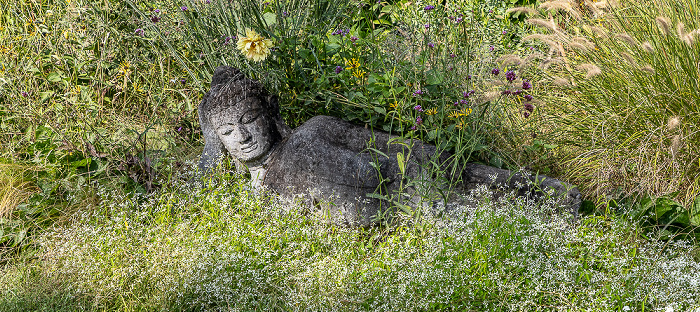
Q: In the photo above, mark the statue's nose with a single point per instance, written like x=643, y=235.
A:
x=244, y=134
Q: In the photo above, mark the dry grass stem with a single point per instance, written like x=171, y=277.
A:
x=591, y=70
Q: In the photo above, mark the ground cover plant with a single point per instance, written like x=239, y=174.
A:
x=100, y=210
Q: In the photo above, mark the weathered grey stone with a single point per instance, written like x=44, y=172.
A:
x=334, y=164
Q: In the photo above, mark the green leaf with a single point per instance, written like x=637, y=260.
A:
x=380, y=110
x=270, y=18
x=44, y=96
x=402, y=165
x=54, y=77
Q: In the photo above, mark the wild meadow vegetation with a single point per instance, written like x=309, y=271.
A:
x=101, y=207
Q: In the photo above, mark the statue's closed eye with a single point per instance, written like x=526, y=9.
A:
x=250, y=116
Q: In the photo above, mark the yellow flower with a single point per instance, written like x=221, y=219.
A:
x=431, y=111
x=352, y=64
x=254, y=46
x=454, y=114
x=394, y=105
x=465, y=112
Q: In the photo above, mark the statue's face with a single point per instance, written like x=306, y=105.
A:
x=245, y=130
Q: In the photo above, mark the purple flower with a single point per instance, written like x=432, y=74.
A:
x=456, y=103
x=528, y=97
x=432, y=45
x=465, y=94
x=507, y=92
x=25, y=94
x=510, y=76
x=338, y=69
x=469, y=77
x=413, y=128
x=458, y=20
x=341, y=32
x=183, y=81
x=452, y=55
x=419, y=121
x=526, y=114
x=491, y=48
x=353, y=38
x=526, y=85
x=155, y=19
x=518, y=92
x=184, y=8
x=418, y=108
x=463, y=102
x=429, y=7
x=417, y=92
x=208, y=1
x=504, y=32
x=179, y=129
x=495, y=71
x=139, y=32
x=285, y=13
x=156, y=11
x=266, y=3
x=427, y=26
x=529, y=107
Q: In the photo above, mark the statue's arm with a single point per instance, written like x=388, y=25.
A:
x=214, y=149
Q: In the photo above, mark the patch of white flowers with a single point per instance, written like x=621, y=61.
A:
x=216, y=246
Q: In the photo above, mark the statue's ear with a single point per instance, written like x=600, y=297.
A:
x=214, y=149
x=274, y=106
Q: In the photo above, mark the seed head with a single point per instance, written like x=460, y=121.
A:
x=523, y=10
x=647, y=46
x=591, y=70
x=542, y=23
x=627, y=39
x=561, y=82
x=673, y=122
x=675, y=144
x=648, y=69
x=664, y=24
x=509, y=59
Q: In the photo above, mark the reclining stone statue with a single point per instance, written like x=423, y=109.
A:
x=332, y=163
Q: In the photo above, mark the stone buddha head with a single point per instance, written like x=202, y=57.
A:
x=239, y=117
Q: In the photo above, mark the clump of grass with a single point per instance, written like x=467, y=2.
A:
x=638, y=71
x=14, y=189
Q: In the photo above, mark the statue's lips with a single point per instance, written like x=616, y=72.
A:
x=249, y=148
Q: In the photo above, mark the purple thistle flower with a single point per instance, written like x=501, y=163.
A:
x=155, y=19
x=504, y=32
x=418, y=108
x=208, y=1
x=456, y=103
x=465, y=94
x=139, y=32
x=510, y=76
x=495, y=71
x=183, y=8
x=429, y=7
x=526, y=85
x=529, y=107
x=528, y=97
x=338, y=69
x=432, y=45
x=227, y=40
x=419, y=121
